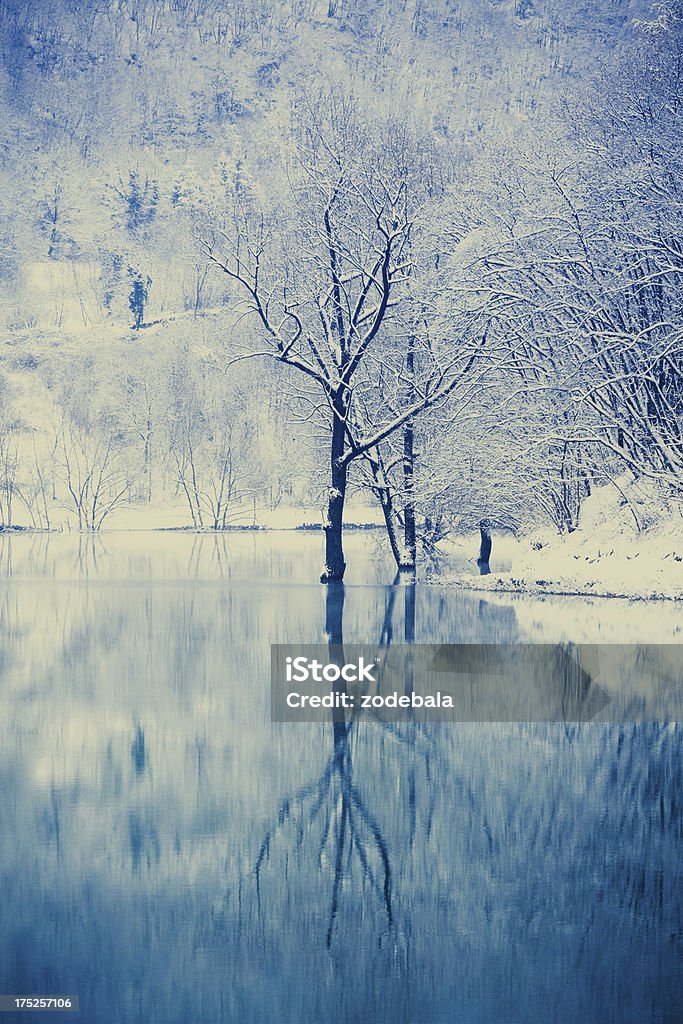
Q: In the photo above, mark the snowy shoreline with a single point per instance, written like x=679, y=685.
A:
x=611, y=554
x=505, y=584
x=607, y=557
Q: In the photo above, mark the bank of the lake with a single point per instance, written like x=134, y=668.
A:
x=626, y=546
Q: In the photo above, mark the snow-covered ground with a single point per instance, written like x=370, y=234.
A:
x=620, y=550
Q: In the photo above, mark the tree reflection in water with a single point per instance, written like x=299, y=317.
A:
x=330, y=812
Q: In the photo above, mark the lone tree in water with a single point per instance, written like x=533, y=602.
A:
x=324, y=276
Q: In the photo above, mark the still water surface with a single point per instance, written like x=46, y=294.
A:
x=170, y=855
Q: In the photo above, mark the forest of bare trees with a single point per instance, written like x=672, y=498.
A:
x=465, y=309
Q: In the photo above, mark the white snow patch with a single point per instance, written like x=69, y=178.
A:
x=628, y=545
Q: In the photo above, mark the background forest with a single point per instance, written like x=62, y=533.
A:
x=425, y=255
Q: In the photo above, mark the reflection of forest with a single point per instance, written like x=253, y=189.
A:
x=415, y=872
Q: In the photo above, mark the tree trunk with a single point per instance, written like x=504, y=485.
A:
x=485, y=545
x=409, y=537
x=388, y=513
x=409, y=469
x=334, y=549
x=383, y=492
x=148, y=458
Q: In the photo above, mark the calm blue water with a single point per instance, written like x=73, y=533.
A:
x=170, y=855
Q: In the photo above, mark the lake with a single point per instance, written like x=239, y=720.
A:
x=169, y=854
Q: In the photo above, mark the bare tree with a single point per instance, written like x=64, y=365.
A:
x=324, y=280
x=9, y=461
x=35, y=488
x=209, y=438
x=96, y=469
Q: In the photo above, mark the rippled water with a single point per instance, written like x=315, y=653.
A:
x=170, y=855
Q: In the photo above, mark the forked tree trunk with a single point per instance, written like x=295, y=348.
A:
x=383, y=492
x=390, y=523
